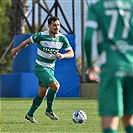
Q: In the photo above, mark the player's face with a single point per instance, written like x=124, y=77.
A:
x=54, y=27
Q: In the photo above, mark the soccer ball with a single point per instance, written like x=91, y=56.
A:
x=79, y=117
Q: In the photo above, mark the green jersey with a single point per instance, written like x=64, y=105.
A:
x=47, y=47
x=114, y=19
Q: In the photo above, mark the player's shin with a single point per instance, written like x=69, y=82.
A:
x=36, y=103
x=50, y=99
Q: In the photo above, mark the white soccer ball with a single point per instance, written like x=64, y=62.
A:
x=79, y=117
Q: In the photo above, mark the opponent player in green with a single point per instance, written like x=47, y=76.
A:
x=48, y=45
x=114, y=19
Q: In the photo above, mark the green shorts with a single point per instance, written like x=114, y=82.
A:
x=115, y=93
x=45, y=75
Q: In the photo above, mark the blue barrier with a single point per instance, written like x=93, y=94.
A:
x=18, y=85
x=23, y=83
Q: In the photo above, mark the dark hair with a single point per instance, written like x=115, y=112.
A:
x=53, y=18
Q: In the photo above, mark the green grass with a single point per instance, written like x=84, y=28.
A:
x=14, y=110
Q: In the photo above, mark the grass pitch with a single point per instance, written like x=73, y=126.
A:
x=13, y=112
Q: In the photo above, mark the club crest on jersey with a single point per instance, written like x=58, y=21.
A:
x=45, y=43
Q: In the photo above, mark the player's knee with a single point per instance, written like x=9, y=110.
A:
x=57, y=86
x=42, y=91
x=128, y=120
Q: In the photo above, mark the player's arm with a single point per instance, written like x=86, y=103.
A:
x=69, y=51
x=69, y=54
x=88, y=45
x=91, y=26
x=25, y=43
x=92, y=69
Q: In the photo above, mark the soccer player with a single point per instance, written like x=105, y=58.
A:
x=114, y=20
x=48, y=45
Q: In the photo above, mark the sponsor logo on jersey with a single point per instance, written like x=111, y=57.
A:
x=50, y=50
x=122, y=46
x=57, y=45
x=123, y=74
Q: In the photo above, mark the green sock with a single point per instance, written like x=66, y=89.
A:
x=109, y=130
x=50, y=99
x=129, y=129
x=36, y=103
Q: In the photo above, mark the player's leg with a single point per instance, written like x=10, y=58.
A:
x=110, y=124
x=54, y=87
x=40, y=72
x=128, y=104
x=128, y=123
x=42, y=92
x=110, y=99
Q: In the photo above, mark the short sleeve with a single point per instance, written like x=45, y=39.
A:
x=35, y=37
x=66, y=44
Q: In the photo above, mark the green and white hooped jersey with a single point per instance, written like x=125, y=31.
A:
x=114, y=19
x=47, y=47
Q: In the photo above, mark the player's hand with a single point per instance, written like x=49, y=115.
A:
x=14, y=52
x=93, y=73
x=59, y=55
